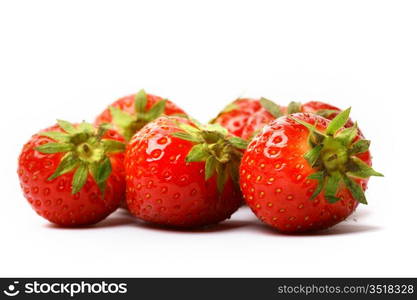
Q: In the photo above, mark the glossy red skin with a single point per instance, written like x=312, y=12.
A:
x=235, y=120
x=315, y=106
x=259, y=119
x=256, y=122
x=251, y=117
x=273, y=179
x=53, y=199
x=127, y=104
x=163, y=189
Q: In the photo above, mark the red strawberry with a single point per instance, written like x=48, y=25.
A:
x=73, y=174
x=323, y=109
x=304, y=172
x=129, y=114
x=181, y=174
x=244, y=116
x=269, y=111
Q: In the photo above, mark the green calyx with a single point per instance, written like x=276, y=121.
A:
x=214, y=146
x=271, y=107
x=84, y=150
x=128, y=124
x=333, y=154
x=293, y=107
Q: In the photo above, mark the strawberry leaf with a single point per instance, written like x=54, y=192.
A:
x=238, y=142
x=216, y=128
x=319, y=176
x=86, y=151
x=358, y=168
x=103, y=170
x=222, y=177
x=196, y=122
x=346, y=136
x=338, y=122
x=313, y=155
x=57, y=136
x=233, y=170
x=332, y=156
x=360, y=146
x=293, y=107
x=316, y=137
x=67, y=164
x=331, y=188
x=86, y=127
x=188, y=128
x=326, y=112
x=197, y=153
x=355, y=189
x=102, y=129
x=51, y=148
x=316, y=176
x=181, y=115
x=156, y=110
x=141, y=100
x=271, y=107
x=112, y=146
x=120, y=118
x=305, y=124
x=210, y=167
x=67, y=126
x=230, y=107
x=80, y=178
x=187, y=137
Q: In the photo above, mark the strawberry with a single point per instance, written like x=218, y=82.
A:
x=129, y=114
x=183, y=174
x=246, y=117
x=73, y=174
x=304, y=172
x=237, y=114
x=316, y=107
x=268, y=112
x=323, y=109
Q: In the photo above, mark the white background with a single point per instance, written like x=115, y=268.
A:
x=69, y=59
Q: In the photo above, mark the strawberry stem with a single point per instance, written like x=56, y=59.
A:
x=333, y=155
x=85, y=151
x=128, y=124
x=216, y=148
